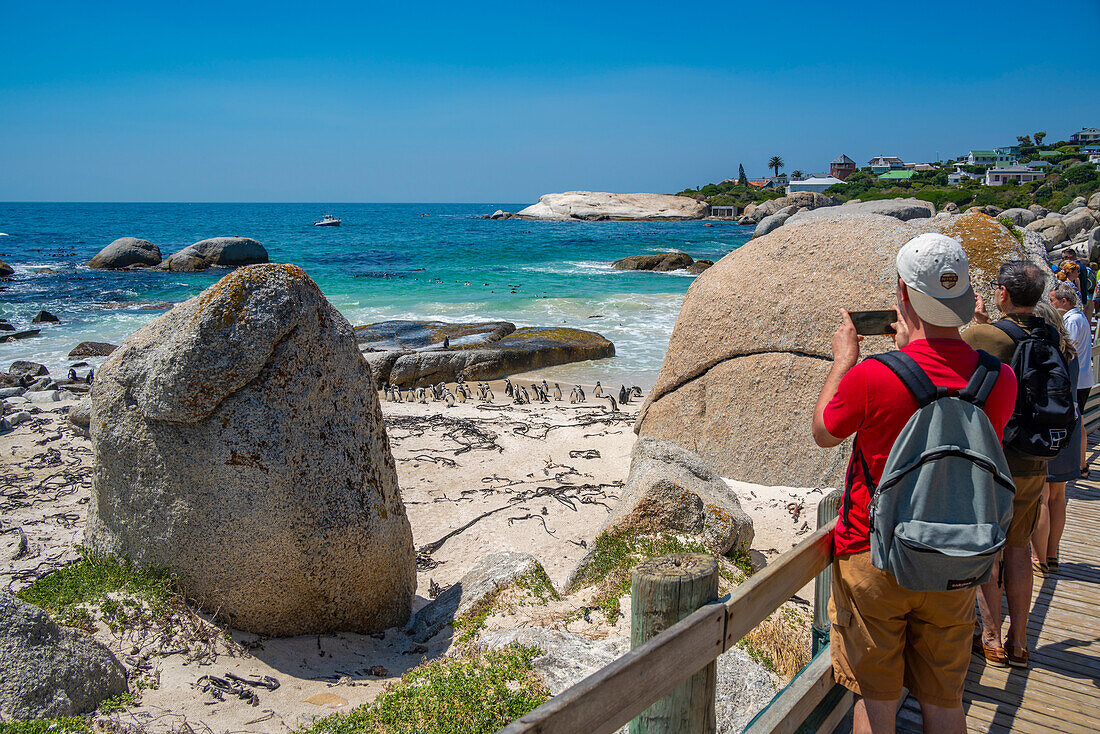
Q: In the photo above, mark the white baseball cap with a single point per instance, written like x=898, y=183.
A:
x=936, y=271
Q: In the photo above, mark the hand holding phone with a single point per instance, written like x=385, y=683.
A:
x=874, y=323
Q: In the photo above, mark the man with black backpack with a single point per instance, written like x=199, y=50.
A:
x=927, y=494
x=1042, y=420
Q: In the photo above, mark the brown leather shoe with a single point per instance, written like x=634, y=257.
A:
x=1017, y=656
x=995, y=656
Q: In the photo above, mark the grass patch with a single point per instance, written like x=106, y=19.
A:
x=92, y=579
x=780, y=643
x=537, y=585
x=615, y=554
x=66, y=725
x=468, y=695
x=534, y=585
x=114, y=704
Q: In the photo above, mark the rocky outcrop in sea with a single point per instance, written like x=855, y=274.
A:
x=597, y=206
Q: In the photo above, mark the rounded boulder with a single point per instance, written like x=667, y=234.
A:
x=126, y=252
x=229, y=252
x=752, y=344
x=239, y=445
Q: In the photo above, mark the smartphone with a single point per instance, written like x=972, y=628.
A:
x=874, y=322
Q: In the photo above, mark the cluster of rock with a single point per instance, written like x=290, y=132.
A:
x=743, y=345
x=774, y=213
x=603, y=206
x=422, y=353
x=28, y=384
x=130, y=253
x=662, y=262
x=1076, y=226
x=239, y=446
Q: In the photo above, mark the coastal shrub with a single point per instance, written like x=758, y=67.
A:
x=1013, y=229
x=66, y=725
x=474, y=694
x=1083, y=174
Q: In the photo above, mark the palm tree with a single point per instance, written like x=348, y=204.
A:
x=776, y=163
x=797, y=174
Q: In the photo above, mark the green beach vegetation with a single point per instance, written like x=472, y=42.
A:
x=474, y=694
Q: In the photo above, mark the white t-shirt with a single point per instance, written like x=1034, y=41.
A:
x=1077, y=326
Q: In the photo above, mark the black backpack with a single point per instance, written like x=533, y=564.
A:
x=1046, y=405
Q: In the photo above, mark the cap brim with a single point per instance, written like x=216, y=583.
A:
x=946, y=312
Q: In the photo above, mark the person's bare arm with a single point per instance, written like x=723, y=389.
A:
x=845, y=356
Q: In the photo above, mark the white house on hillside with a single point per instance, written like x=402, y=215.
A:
x=1021, y=174
x=884, y=163
x=814, y=183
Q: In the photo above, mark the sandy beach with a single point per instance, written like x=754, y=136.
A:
x=476, y=478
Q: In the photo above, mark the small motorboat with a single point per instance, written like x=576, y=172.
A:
x=327, y=221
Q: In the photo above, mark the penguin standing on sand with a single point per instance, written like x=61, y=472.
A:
x=611, y=400
x=623, y=397
x=449, y=399
x=489, y=393
x=557, y=392
x=446, y=342
x=509, y=391
x=580, y=394
x=545, y=388
x=573, y=396
x=598, y=390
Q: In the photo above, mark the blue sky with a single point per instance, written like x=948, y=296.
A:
x=123, y=101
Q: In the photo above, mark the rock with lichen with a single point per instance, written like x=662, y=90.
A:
x=239, y=446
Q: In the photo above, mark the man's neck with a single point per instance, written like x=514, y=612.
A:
x=928, y=331
x=1018, y=311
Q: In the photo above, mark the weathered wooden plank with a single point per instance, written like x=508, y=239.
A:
x=616, y=693
x=762, y=594
x=787, y=711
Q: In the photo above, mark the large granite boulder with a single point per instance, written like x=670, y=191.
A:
x=24, y=367
x=229, y=252
x=1019, y=217
x=239, y=446
x=774, y=221
x=752, y=344
x=809, y=199
x=126, y=252
x=1078, y=201
x=486, y=354
x=478, y=588
x=662, y=262
x=5, y=269
x=1051, y=228
x=596, y=205
x=1094, y=201
x=1094, y=245
x=670, y=489
x=51, y=671
x=903, y=209
x=1080, y=221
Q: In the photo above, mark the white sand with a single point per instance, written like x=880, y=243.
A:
x=527, y=466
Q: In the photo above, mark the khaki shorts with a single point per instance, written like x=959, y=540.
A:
x=885, y=637
x=1025, y=510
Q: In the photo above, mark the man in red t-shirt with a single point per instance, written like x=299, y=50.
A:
x=884, y=636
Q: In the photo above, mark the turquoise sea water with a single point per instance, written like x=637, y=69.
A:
x=387, y=261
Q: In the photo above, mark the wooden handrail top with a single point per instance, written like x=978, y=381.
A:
x=616, y=693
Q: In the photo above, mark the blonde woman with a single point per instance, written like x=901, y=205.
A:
x=1062, y=468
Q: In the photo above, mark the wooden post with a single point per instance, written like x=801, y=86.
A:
x=663, y=591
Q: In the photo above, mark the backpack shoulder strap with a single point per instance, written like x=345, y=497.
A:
x=983, y=380
x=912, y=376
x=1015, y=331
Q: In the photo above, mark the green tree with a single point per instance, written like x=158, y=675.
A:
x=1024, y=139
x=797, y=173
x=742, y=179
x=1039, y=137
x=775, y=163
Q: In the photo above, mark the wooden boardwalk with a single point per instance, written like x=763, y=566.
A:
x=1060, y=692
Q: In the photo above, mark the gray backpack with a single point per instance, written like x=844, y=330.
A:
x=941, y=509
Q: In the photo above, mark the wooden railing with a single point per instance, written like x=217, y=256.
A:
x=620, y=691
